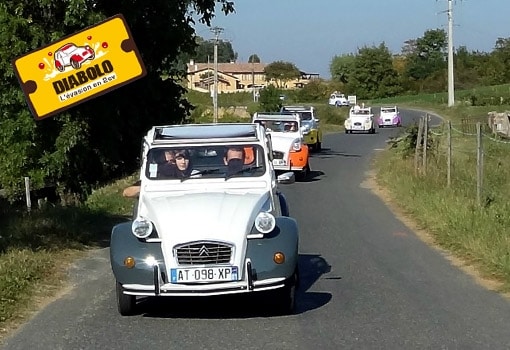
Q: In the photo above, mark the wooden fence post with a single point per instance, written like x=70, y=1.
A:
x=425, y=143
x=418, y=145
x=449, y=154
x=479, y=164
x=27, y=193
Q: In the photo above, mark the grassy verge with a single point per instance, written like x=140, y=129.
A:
x=475, y=231
x=36, y=248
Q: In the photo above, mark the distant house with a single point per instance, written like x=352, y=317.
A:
x=234, y=77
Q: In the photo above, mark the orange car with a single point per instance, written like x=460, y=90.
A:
x=290, y=153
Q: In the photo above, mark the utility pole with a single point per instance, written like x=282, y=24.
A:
x=216, y=31
x=451, y=87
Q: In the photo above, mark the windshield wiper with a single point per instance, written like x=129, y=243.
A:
x=245, y=170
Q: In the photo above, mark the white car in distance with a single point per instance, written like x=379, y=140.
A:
x=361, y=119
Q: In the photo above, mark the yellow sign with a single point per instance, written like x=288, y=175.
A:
x=81, y=66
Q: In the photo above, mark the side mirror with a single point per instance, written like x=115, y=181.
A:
x=287, y=178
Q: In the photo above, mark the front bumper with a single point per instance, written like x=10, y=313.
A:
x=162, y=288
x=361, y=128
x=150, y=277
x=294, y=161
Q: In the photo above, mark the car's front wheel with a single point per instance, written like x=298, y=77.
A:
x=126, y=304
x=318, y=147
x=286, y=296
x=75, y=64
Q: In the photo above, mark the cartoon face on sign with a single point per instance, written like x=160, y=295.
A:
x=84, y=65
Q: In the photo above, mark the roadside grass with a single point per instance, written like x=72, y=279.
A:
x=37, y=247
x=477, y=233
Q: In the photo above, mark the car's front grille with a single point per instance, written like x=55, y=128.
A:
x=277, y=155
x=203, y=253
x=387, y=120
x=357, y=123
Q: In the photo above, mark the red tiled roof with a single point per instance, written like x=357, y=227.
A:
x=231, y=68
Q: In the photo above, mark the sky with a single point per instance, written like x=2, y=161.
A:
x=310, y=33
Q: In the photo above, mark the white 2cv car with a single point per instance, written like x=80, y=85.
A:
x=211, y=231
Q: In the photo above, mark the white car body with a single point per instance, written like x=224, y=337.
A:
x=361, y=119
x=312, y=131
x=72, y=55
x=389, y=116
x=290, y=153
x=338, y=99
x=208, y=233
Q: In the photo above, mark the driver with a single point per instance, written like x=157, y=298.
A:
x=234, y=159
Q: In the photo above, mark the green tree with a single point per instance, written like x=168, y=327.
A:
x=341, y=67
x=205, y=51
x=254, y=58
x=501, y=55
x=97, y=140
x=269, y=100
x=373, y=75
x=428, y=55
x=281, y=72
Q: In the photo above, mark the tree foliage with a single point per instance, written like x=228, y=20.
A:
x=270, y=99
x=254, y=58
x=205, y=51
x=341, y=67
x=99, y=139
x=429, y=55
x=373, y=75
x=281, y=72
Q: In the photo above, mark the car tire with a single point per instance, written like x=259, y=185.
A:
x=286, y=296
x=126, y=304
x=75, y=64
x=318, y=146
x=303, y=174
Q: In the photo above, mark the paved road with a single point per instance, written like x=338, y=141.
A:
x=368, y=283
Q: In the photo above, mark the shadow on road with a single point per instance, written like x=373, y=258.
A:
x=242, y=306
x=328, y=153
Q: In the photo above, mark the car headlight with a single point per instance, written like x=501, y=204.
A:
x=296, y=145
x=141, y=227
x=265, y=222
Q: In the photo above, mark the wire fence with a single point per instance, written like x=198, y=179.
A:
x=467, y=156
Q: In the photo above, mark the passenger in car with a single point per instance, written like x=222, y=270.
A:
x=234, y=159
x=182, y=164
x=167, y=168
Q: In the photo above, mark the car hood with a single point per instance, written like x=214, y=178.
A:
x=283, y=142
x=360, y=118
x=202, y=216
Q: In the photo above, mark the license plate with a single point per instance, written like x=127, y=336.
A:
x=279, y=162
x=204, y=274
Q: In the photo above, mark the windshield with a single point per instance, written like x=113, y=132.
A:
x=226, y=161
x=388, y=110
x=279, y=125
